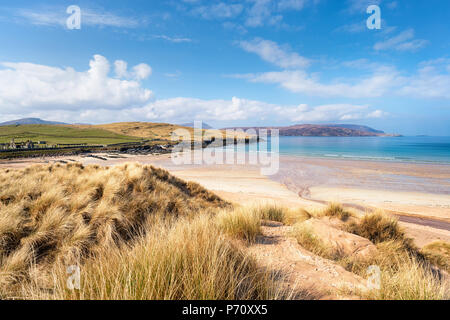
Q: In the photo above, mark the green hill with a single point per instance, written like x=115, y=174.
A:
x=56, y=134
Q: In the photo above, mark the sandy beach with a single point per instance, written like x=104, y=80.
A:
x=419, y=194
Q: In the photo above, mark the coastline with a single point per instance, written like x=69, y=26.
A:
x=395, y=160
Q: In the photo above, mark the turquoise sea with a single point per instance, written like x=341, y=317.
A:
x=407, y=149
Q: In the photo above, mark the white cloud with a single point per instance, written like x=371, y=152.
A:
x=359, y=6
x=31, y=86
x=299, y=81
x=291, y=4
x=121, y=67
x=377, y=114
x=93, y=96
x=181, y=110
x=173, y=39
x=139, y=72
x=380, y=80
x=189, y=109
x=402, y=42
x=271, y=52
x=142, y=71
x=331, y=112
x=220, y=10
x=428, y=82
x=261, y=13
x=250, y=13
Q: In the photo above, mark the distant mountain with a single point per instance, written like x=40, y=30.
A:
x=191, y=125
x=29, y=121
x=357, y=127
x=315, y=130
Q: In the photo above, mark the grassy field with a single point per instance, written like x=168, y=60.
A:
x=57, y=134
x=106, y=134
x=146, y=130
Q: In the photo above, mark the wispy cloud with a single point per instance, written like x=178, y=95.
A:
x=57, y=16
x=271, y=52
x=250, y=13
x=379, y=80
x=174, y=75
x=402, y=42
x=358, y=6
x=173, y=39
x=353, y=27
x=292, y=4
x=262, y=12
x=219, y=10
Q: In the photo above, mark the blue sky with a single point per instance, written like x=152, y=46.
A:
x=229, y=63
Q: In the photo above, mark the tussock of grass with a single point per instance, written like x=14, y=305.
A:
x=336, y=211
x=379, y=227
x=438, y=252
x=294, y=216
x=190, y=259
x=284, y=215
x=272, y=213
x=409, y=280
x=241, y=223
x=310, y=241
x=406, y=272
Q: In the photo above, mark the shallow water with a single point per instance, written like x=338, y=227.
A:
x=405, y=149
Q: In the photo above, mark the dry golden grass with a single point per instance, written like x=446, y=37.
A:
x=335, y=210
x=378, y=227
x=139, y=233
x=405, y=272
x=294, y=216
x=154, y=131
x=70, y=213
x=307, y=238
x=135, y=231
x=272, y=213
x=187, y=259
x=241, y=223
x=146, y=130
x=438, y=252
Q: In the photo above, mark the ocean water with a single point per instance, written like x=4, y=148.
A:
x=403, y=149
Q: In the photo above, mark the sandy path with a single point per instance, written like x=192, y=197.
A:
x=311, y=276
